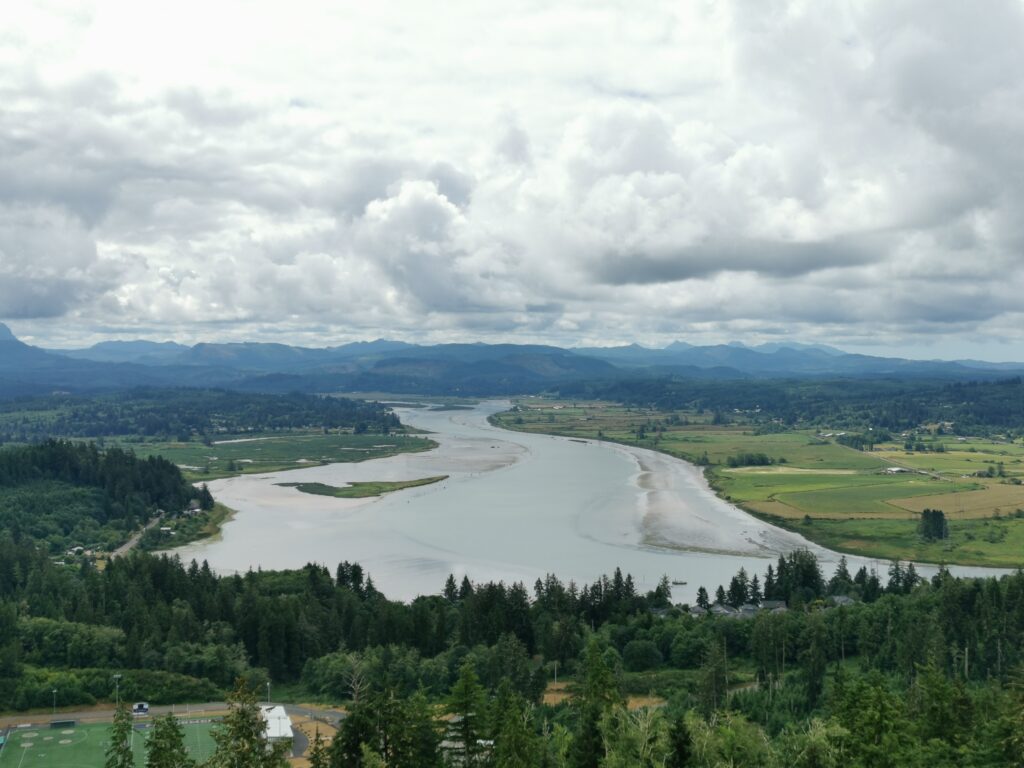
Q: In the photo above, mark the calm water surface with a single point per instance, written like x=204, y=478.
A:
x=515, y=507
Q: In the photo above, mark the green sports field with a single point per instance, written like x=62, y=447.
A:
x=84, y=746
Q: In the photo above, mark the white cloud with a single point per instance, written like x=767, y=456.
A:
x=587, y=171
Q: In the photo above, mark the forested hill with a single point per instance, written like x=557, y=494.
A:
x=63, y=493
x=183, y=414
x=912, y=673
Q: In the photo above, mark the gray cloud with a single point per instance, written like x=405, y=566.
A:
x=775, y=259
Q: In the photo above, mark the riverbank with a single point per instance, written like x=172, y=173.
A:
x=840, y=498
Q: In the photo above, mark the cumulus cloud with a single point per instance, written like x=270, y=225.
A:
x=586, y=173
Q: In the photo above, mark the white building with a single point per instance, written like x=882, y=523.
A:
x=279, y=725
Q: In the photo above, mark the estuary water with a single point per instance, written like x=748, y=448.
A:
x=515, y=507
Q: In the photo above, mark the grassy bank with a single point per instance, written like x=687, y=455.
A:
x=187, y=529
x=274, y=452
x=845, y=499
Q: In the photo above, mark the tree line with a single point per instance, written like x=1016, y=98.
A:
x=184, y=414
x=894, y=405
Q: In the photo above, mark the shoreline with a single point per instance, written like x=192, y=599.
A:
x=654, y=530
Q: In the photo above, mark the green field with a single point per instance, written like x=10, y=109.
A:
x=275, y=453
x=83, y=746
x=362, y=490
x=848, y=498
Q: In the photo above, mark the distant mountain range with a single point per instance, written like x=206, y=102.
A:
x=471, y=369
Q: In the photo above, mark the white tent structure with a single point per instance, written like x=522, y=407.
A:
x=279, y=725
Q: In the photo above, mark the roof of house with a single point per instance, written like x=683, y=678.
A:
x=279, y=725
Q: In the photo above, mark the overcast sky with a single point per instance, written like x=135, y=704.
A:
x=592, y=173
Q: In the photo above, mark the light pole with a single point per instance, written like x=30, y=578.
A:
x=268, y=692
x=54, y=692
x=117, y=691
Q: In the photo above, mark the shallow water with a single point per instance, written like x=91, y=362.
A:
x=515, y=507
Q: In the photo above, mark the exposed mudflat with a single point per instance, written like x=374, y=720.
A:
x=515, y=507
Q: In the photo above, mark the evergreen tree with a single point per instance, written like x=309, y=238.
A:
x=466, y=703
x=241, y=740
x=318, y=757
x=165, y=747
x=119, y=750
x=354, y=732
x=769, y=585
x=450, y=592
x=600, y=692
x=841, y=582
x=755, y=595
x=416, y=743
x=680, y=742
x=713, y=678
x=515, y=744
x=814, y=660
x=702, y=598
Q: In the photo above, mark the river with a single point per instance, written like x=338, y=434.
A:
x=515, y=507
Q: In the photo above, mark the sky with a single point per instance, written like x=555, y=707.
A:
x=588, y=173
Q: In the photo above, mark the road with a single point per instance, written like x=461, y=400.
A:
x=129, y=545
x=331, y=716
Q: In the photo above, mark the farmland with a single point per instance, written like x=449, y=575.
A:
x=864, y=502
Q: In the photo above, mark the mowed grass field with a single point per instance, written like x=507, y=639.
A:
x=84, y=746
x=275, y=453
x=837, y=496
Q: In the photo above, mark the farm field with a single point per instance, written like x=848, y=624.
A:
x=834, y=495
x=276, y=453
x=83, y=746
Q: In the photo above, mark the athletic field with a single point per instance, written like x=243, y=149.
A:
x=84, y=746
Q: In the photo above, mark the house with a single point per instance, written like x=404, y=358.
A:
x=278, y=724
x=841, y=600
x=771, y=605
x=722, y=610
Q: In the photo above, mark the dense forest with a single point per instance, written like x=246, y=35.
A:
x=62, y=494
x=903, y=672
x=972, y=408
x=183, y=414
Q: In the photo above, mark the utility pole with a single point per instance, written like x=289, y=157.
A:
x=117, y=690
x=54, y=702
